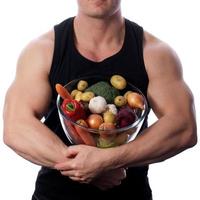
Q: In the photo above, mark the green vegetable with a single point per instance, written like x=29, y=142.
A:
x=105, y=90
x=105, y=143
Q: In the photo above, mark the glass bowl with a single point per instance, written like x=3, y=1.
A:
x=78, y=134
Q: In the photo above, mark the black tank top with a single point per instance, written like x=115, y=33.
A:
x=69, y=64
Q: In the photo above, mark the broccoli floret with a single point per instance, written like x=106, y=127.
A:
x=105, y=90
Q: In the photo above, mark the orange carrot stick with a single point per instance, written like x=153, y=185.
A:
x=85, y=136
x=73, y=133
x=63, y=92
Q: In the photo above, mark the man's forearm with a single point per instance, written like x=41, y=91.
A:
x=35, y=142
x=164, y=139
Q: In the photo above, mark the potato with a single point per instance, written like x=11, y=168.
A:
x=120, y=101
x=82, y=122
x=73, y=93
x=86, y=96
x=126, y=94
x=82, y=85
x=78, y=96
x=109, y=117
x=118, y=82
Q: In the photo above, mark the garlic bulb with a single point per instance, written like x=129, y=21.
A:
x=112, y=108
x=97, y=105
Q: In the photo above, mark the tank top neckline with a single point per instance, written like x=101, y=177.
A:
x=105, y=60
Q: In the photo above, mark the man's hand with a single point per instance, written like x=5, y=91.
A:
x=84, y=163
x=110, y=179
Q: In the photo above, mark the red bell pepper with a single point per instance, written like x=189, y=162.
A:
x=73, y=109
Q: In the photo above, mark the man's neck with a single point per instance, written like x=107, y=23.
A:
x=99, y=31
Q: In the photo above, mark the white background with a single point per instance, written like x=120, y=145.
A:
x=174, y=21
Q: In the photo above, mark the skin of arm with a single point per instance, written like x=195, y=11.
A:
x=175, y=130
x=27, y=101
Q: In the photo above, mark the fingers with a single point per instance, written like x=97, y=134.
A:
x=75, y=176
x=110, y=179
x=105, y=184
x=63, y=166
x=66, y=165
x=116, y=173
x=80, y=180
x=71, y=152
x=69, y=173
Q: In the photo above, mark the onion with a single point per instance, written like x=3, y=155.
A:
x=94, y=121
x=106, y=126
x=105, y=131
x=135, y=100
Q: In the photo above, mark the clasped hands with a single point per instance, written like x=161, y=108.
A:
x=87, y=164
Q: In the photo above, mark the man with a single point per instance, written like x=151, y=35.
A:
x=97, y=41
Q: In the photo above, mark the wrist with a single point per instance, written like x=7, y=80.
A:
x=61, y=154
x=113, y=158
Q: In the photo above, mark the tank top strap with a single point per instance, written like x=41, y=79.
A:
x=138, y=33
x=61, y=45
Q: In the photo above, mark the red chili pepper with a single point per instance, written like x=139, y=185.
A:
x=73, y=109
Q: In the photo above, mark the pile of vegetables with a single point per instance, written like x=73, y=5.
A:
x=101, y=106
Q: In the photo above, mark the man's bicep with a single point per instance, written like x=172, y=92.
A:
x=28, y=97
x=30, y=91
x=170, y=97
x=167, y=91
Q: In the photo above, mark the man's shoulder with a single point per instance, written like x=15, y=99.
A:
x=157, y=49
x=44, y=42
x=152, y=44
x=159, y=56
x=39, y=51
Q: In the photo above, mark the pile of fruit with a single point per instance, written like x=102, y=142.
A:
x=100, y=106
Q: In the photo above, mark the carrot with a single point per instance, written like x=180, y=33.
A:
x=73, y=133
x=62, y=91
x=85, y=136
